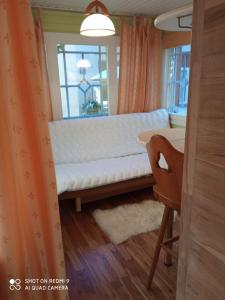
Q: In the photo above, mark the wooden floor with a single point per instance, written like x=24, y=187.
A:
x=99, y=270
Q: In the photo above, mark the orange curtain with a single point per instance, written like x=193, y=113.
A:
x=30, y=231
x=140, y=65
x=43, y=64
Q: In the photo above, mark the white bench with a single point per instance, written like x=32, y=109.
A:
x=100, y=157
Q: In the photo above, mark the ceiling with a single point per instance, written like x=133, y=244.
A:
x=120, y=7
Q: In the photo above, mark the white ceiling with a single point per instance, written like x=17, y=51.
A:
x=126, y=7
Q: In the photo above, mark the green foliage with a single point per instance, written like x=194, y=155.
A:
x=91, y=107
x=60, y=48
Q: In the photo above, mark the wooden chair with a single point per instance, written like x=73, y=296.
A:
x=167, y=189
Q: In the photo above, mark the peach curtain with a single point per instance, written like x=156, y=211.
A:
x=43, y=64
x=140, y=66
x=30, y=231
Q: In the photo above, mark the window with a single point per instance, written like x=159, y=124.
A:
x=83, y=75
x=177, y=70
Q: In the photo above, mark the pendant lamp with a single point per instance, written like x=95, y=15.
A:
x=96, y=23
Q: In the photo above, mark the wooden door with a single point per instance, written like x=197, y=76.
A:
x=201, y=270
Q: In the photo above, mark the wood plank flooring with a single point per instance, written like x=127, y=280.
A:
x=99, y=270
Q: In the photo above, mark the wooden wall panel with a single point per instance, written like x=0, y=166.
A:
x=172, y=39
x=201, y=270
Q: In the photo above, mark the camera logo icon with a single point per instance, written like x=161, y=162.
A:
x=15, y=284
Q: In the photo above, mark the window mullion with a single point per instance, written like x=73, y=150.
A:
x=66, y=84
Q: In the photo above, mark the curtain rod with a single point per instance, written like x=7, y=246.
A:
x=77, y=11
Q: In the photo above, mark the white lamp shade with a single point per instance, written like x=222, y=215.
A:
x=97, y=25
x=83, y=63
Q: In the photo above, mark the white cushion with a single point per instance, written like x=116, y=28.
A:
x=81, y=140
x=72, y=177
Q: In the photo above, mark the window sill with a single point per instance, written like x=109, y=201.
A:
x=86, y=116
x=177, y=120
x=180, y=114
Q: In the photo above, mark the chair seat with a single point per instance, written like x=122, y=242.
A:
x=165, y=200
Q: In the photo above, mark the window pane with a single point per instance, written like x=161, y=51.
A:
x=103, y=66
x=61, y=69
x=92, y=73
x=73, y=73
x=103, y=49
x=64, y=103
x=81, y=48
x=76, y=100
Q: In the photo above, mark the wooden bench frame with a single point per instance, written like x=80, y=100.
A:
x=109, y=190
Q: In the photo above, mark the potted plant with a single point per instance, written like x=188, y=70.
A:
x=91, y=107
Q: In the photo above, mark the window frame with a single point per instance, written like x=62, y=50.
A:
x=52, y=39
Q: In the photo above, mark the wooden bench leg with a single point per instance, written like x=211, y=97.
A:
x=78, y=204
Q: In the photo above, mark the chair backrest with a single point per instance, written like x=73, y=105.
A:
x=168, y=181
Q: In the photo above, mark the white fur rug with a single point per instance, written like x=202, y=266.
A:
x=124, y=221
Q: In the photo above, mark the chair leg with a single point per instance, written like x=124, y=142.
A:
x=162, y=230
x=169, y=234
